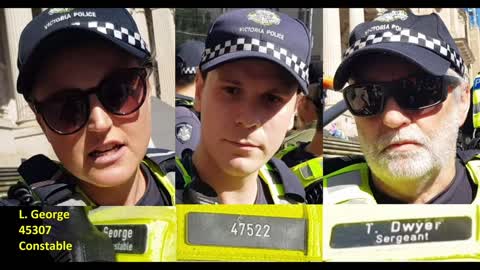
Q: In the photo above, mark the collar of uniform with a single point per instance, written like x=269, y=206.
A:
x=180, y=96
x=199, y=192
x=152, y=194
x=460, y=190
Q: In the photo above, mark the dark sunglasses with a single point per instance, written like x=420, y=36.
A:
x=411, y=93
x=120, y=93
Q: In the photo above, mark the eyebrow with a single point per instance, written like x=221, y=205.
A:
x=231, y=81
x=280, y=91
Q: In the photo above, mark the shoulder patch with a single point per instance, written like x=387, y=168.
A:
x=183, y=132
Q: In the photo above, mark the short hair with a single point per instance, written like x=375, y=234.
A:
x=287, y=77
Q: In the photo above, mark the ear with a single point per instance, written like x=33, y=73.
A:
x=199, y=84
x=464, y=102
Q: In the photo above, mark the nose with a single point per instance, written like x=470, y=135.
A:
x=247, y=116
x=393, y=116
x=99, y=120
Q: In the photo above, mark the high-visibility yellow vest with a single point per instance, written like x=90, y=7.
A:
x=139, y=233
x=249, y=232
x=476, y=102
x=308, y=172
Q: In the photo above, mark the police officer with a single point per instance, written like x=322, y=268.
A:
x=253, y=68
x=408, y=92
x=84, y=73
x=305, y=158
x=187, y=120
x=468, y=137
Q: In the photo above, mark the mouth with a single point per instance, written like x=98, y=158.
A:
x=107, y=153
x=402, y=146
x=243, y=144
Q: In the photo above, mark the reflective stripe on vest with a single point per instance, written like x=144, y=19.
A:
x=309, y=171
x=348, y=185
x=249, y=232
x=161, y=177
x=139, y=234
x=276, y=190
x=184, y=102
x=187, y=179
x=351, y=184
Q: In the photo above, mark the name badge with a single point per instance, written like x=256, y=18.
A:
x=229, y=230
x=401, y=231
x=127, y=238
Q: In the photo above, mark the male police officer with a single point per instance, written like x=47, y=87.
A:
x=187, y=121
x=409, y=95
x=305, y=158
x=254, y=65
x=469, y=137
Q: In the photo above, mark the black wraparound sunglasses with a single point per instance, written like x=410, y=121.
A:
x=411, y=93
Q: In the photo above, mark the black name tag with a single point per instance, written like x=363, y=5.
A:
x=246, y=231
x=401, y=231
x=127, y=238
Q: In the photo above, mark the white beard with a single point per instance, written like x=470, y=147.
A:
x=420, y=166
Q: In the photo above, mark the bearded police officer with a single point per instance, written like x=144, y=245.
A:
x=408, y=92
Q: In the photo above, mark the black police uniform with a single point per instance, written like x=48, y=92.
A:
x=187, y=120
x=298, y=155
x=187, y=125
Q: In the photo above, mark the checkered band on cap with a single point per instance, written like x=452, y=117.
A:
x=412, y=37
x=188, y=70
x=255, y=45
x=107, y=28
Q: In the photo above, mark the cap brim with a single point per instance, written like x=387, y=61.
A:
x=219, y=60
x=425, y=59
x=25, y=74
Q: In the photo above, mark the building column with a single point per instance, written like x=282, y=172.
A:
x=140, y=18
x=16, y=19
x=164, y=33
x=332, y=52
x=356, y=17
